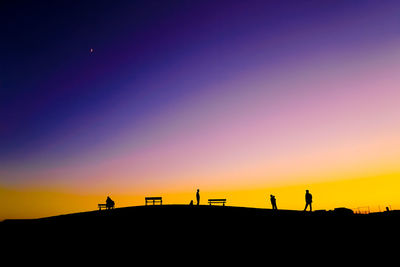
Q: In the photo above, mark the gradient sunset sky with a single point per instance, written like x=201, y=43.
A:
x=241, y=99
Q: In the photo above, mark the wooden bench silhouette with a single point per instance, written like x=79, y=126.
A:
x=103, y=206
x=217, y=200
x=154, y=200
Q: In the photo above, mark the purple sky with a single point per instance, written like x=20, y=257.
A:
x=173, y=84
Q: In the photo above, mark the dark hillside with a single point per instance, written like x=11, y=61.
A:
x=172, y=228
x=211, y=219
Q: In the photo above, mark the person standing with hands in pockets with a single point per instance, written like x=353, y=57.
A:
x=198, y=197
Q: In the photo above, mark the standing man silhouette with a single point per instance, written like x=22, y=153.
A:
x=308, y=200
x=273, y=202
x=198, y=197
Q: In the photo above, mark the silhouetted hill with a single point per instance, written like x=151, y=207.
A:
x=203, y=217
x=171, y=228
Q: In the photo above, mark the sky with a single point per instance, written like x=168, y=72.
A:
x=241, y=99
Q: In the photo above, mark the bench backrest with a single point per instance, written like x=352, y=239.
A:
x=153, y=198
x=217, y=200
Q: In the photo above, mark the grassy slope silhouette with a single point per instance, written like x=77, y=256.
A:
x=206, y=218
x=203, y=232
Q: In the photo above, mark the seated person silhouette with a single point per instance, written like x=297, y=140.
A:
x=110, y=203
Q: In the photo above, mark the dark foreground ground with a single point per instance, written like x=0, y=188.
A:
x=181, y=232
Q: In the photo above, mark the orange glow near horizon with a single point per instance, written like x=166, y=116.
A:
x=351, y=173
x=373, y=193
